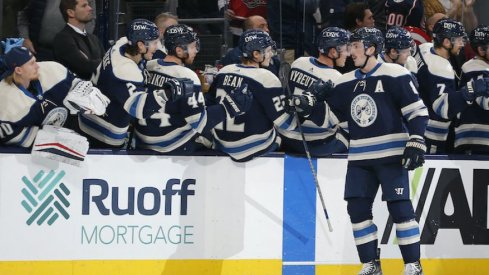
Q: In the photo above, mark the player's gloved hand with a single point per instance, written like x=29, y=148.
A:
x=85, y=98
x=9, y=43
x=321, y=89
x=413, y=156
x=302, y=104
x=475, y=89
x=238, y=101
x=177, y=88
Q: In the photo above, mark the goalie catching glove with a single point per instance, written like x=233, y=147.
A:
x=85, y=98
x=302, y=104
x=238, y=101
x=413, y=156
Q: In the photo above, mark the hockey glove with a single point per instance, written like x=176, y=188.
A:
x=302, y=104
x=87, y=99
x=177, y=88
x=321, y=89
x=413, y=156
x=9, y=43
x=475, y=89
x=238, y=101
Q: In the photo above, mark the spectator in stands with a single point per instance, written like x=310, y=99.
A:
x=234, y=55
x=471, y=133
x=462, y=11
x=237, y=11
x=431, y=21
x=439, y=86
x=357, y=15
x=79, y=51
x=163, y=21
x=35, y=94
x=293, y=27
x=9, y=17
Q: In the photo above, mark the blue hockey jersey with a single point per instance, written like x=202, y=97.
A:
x=382, y=109
x=472, y=129
x=253, y=133
x=22, y=111
x=166, y=131
x=327, y=137
x=123, y=82
x=404, y=13
x=438, y=88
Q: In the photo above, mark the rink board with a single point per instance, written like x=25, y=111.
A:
x=148, y=214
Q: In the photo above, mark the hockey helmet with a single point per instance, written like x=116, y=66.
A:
x=179, y=36
x=332, y=37
x=479, y=37
x=254, y=40
x=371, y=37
x=398, y=38
x=448, y=28
x=141, y=30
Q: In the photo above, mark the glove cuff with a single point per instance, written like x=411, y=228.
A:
x=417, y=143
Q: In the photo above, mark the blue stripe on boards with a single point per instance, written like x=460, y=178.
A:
x=299, y=216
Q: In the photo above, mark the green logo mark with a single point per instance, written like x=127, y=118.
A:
x=45, y=197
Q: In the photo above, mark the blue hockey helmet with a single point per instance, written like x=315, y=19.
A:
x=398, y=38
x=254, y=40
x=447, y=28
x=141, y=30
x=371, y=37
x=479, y=37
x=332, y=37
x=179, y=36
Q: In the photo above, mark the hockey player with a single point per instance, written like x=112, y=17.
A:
x=439, y=87
x=375, y=100
x=324, y=139
x=175, y=128
x=121, y=79
x=399, y=45
x=472, y=130
x=33, y=94
x=404, y=13
x=253, y=133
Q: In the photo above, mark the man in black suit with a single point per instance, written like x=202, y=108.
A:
x=79, y=51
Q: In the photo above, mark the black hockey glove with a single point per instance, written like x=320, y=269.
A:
x=238, y=101
x=413, y=156
x=321, y=89
x=177, y=88
x=302, y=104
x=475, y=89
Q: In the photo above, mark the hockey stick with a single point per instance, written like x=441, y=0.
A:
x=284, y=79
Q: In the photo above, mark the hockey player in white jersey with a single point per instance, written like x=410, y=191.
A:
x=33, y=94
x=121, y=79
x=177, y=126
x=327, y=137
x=472, y=129
x=253, y=133
x=439, y=86
x=399, y=46
x=386, y=122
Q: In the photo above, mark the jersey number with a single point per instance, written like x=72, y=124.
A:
x=395, y=20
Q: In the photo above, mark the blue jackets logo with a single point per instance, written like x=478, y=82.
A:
x=45, y=197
